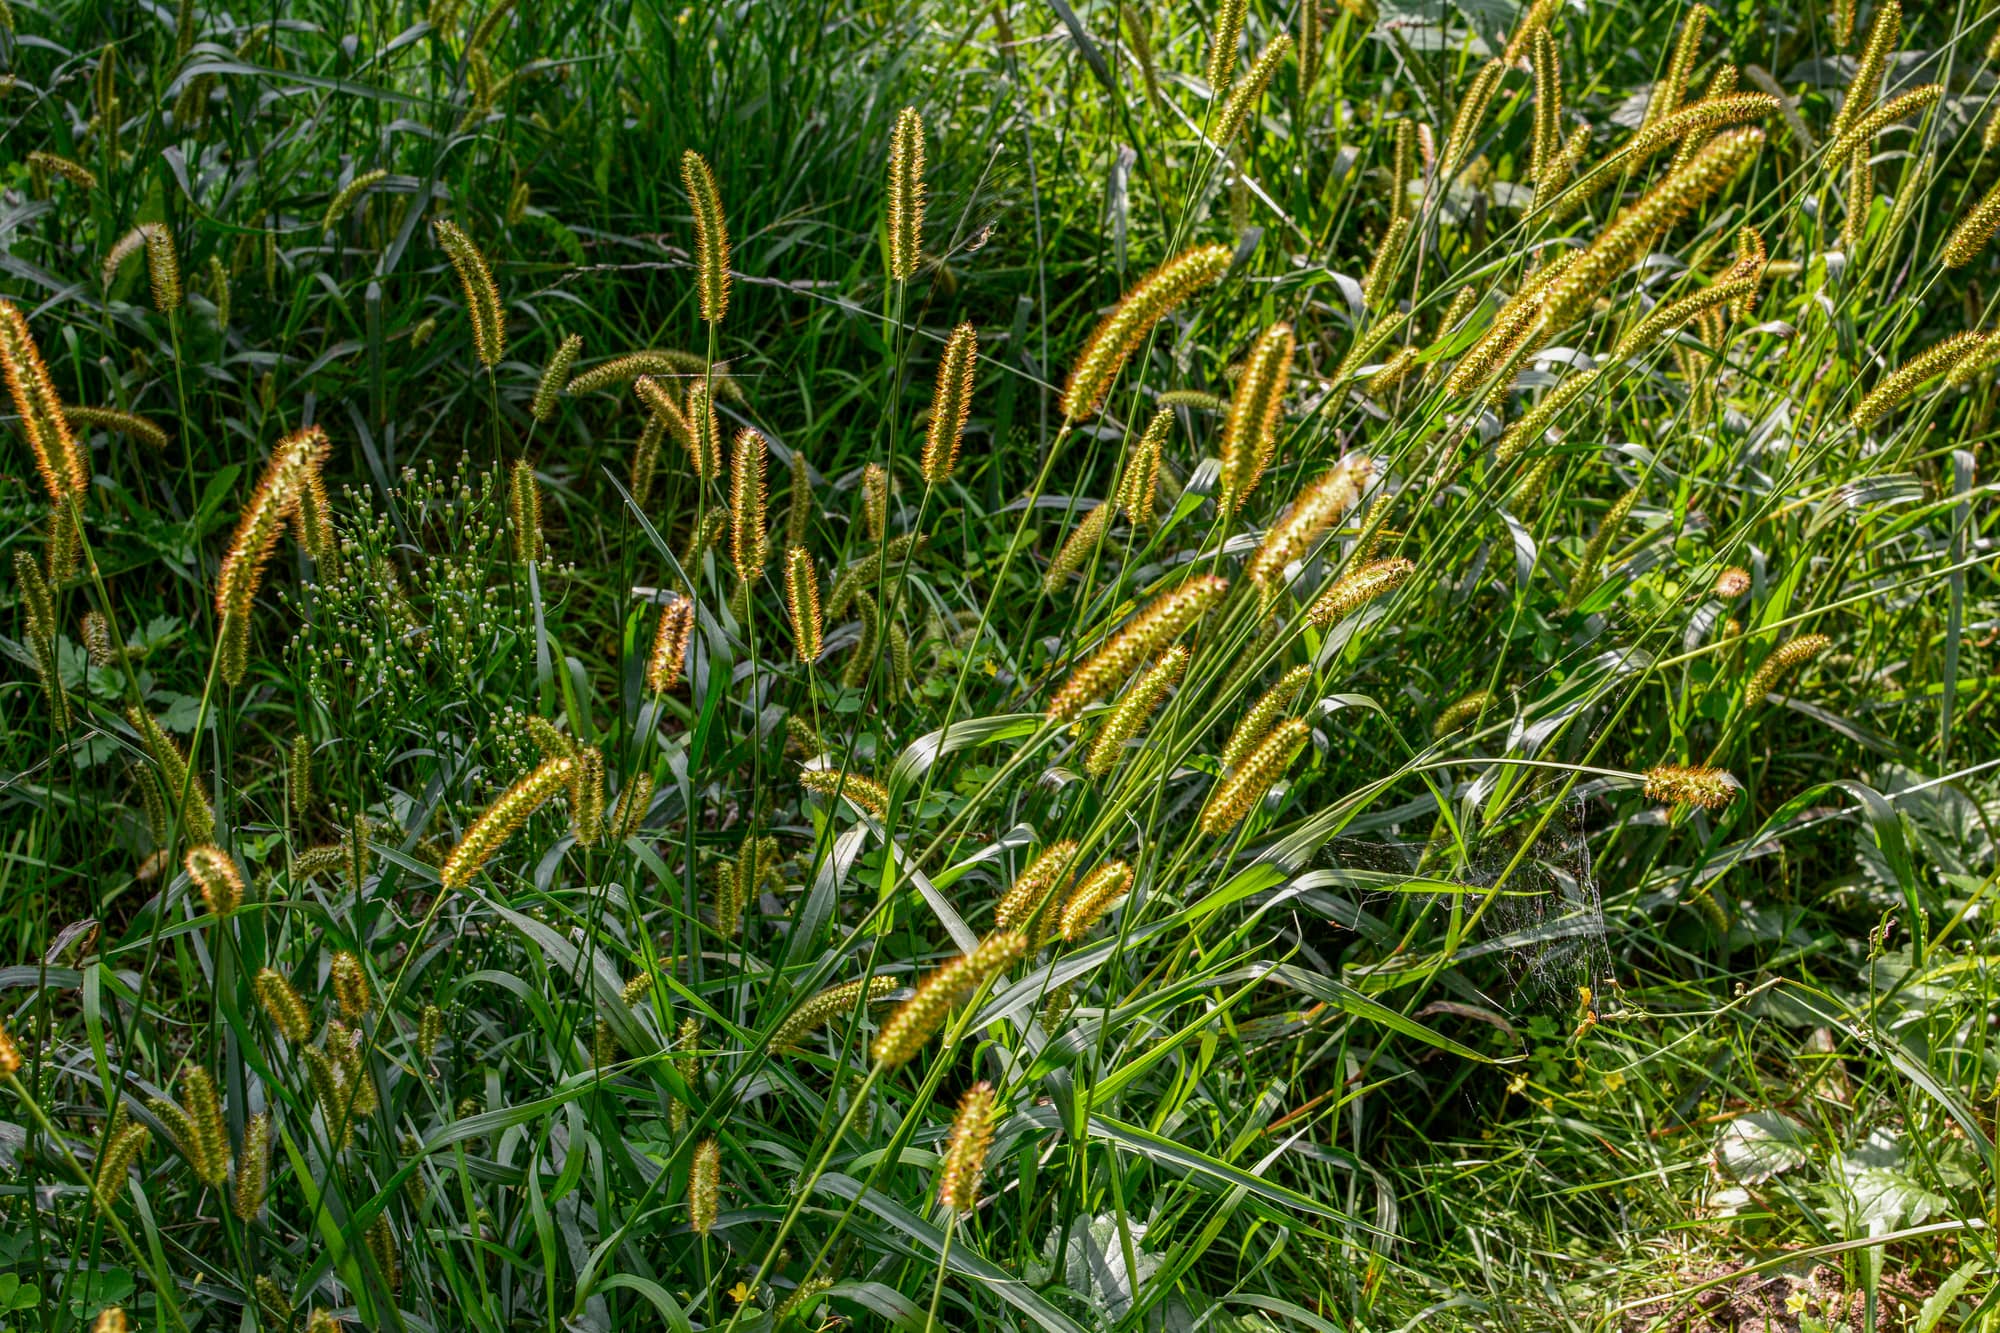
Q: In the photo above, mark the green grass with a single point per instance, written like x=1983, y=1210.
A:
x=1456, y=1029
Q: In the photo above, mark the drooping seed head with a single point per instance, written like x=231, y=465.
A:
x=554, y=375
x=1037, y=883
x=1359, y=588
x=864, y=793
x=917, y=1019
x=502, y=819
x=1119, y=334
x=1164, y=619
x=1782, y=662
x=1132, y=711
x=287, y=1009
x=831, y=1003
x=1317, y=507
x=482, y=296
x=62, y=465
x=1139, y=487
x=1256, y=723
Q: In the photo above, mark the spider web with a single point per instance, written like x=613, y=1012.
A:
x=1544, y=927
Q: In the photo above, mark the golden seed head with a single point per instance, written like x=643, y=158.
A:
x=1250, y=432
x=951, y=404
x=1222, y=47
x=287, y=1009
x=1856, y=136
x=747, y=544
x=628, y=812
x=711, y=237
x=506, y=815
x=344, y=199
x=1912, y=375
x=554, y=375
x=430, y=1031
x=1119, y=334
x=1164, y=619
x=207, y=1145
x=1973, y=231
x=143, y=429
x=1472, y=108
x=1077, y=548
x=64, y=469
x=1884, y=32
x=831, y=1003
x=1037, y=883
x=704, y=1186
x=1133, y=710
x=524, y=512
x=1093, y=896
x=350, y=986
x=54, y=164
x=263, y=518
x=1691, y=784
x=111, y=1319
x=917, y=1019
x=1535, y=422
x=1317, y=507
x=1238, y=793
x=965, y=1151
x=1359, y=588
x=586, y=795
x=10, y=1054
x=253, y=1168
x=1236, y=109
x=214, y=870
x=1732, y=583
x=1461, y=712
x=906, y=194
x=482, y=297
x=1782, y=661
x=875, y=501
x=864, y=793
x=670, y=645
x=1256, y=724
x=1139, y=487
x=802, y=602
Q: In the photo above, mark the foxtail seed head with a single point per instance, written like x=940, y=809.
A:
x=143, y=429
x=215, y=872
x=628, y=812
x=802, y=602
x=338, y=207
x=965, y=1151
x=747, y=544
x=1691, y=784
x=524, y=512
x=1856, y=136
x=1461, y=712
x=1465, y=126
x=1884, y=32
x=10, y=1054
x=111, y=1319
x=1256, y=724
x=1536, y=420
x=1093, y=896
x=1684, y=189
x=1357, y=589
x=482, y=297
x=864, y=793
x=1250, y=433
x=1672, y=314
x=586, y=796
x=1238, y=793
x=831, y=1003
x=1732, y=583
x=1926, y=366
x=197, y=818
x=711, y=237
x=252, y=1168
x=906, y=194
x=951, y=404
x=116, y=1164
x=1139, y=488
x=64, y=470
x=263, y=518
x=163, y=267
x=208, y=1143
x=1782, y=662
x=1222, y=47
x=1973, y=231
x=1037, y=883
x=1133, y=710
x=287, y=1009
x=1164, y=619
x=1118, y=335
x=506, y=815
x=1244, y=95
x=918, y=1018
x=554, y=375
x=670, y=645
x=350, y=986
x=704, y=1186
x=1079, y=546
x=1317, y=507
